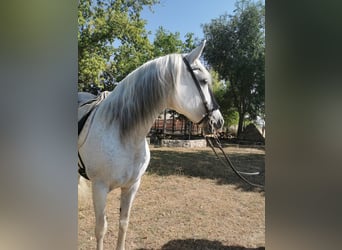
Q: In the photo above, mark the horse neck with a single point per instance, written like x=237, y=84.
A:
x=139, y=99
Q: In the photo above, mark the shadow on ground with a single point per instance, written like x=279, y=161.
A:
x=204, y=164
x=192, y=244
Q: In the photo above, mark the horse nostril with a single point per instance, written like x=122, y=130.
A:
x=216, y=123
x=219, y=123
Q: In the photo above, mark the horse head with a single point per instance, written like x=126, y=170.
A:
x=193, y=93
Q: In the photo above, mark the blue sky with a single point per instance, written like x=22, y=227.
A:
x=185, y=15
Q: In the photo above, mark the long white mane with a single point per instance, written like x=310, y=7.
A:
x=139, y=97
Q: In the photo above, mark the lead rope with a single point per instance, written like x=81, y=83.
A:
x=238, y=173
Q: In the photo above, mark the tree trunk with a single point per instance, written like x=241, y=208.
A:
x=164, y=122
x=186, y=125
x=240, y=125
x=173, y=122
x=190, y=129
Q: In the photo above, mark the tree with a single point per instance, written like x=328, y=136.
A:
x=220, y=89
x=236, y=50
x=190, y=42
x=166, y=42
x=111, y=37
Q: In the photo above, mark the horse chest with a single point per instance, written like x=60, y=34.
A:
x=119, y=165
x=129, y=169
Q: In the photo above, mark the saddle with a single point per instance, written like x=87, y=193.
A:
x=87, y=104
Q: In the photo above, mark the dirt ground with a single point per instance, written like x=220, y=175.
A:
x=188, y=200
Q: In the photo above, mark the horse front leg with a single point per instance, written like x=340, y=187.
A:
x=127, y=197
x=99, y=199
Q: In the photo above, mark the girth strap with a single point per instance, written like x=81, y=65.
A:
x=81, y=167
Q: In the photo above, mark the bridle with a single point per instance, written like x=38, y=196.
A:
x=215, y=105
x=213, y=140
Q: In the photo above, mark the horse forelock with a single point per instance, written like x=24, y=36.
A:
x=139, y=97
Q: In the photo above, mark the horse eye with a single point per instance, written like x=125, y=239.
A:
x=197, y=68
x=204, y=81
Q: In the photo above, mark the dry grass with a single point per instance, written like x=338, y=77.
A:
x=188, y=200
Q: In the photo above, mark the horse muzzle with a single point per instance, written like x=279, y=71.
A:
x=213, y=122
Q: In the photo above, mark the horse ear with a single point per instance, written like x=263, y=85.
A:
x=195, y=53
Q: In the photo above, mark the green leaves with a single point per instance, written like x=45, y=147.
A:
x=166, y=42
x=111, y=37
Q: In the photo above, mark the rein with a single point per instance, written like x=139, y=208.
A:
x=214, y=138
x=240, y=174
